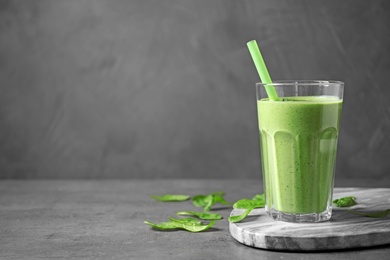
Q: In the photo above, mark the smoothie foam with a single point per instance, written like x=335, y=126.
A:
x=298, y=146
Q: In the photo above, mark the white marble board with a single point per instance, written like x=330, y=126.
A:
x=343, y=231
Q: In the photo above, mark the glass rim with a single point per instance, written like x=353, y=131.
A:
x=301, y=82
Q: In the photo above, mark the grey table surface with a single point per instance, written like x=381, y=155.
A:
x=103, y=219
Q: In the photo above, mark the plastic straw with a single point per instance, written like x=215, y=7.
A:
x=262, y=70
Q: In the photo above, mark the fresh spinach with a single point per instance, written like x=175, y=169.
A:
x=258, y=201
x=207, y=201
x=345, y=202
x=201, y=215
x=247, y=203
x=171, y=197
x=162, y=225
x=260, y=197
x=240, y=217
x=191, y=226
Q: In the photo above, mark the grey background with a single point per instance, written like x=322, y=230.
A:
x=156, y=89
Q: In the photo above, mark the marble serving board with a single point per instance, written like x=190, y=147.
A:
x=343, y=231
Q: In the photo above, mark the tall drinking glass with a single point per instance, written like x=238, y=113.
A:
x=298, y=138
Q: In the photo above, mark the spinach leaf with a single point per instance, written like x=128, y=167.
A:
x=171, y=197
x=218, y=193
x=240, y=217
x=201, y=215
x=191, y=221
x=258, y=201
x=162, y=225
x=260, y=197
x=207, y=201
x=247, y=203
x=219, y=198
x=379, y=214
x=201, y=200
x=345, y=202
x=190, y=225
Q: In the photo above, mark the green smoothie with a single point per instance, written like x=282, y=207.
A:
x=298, y=145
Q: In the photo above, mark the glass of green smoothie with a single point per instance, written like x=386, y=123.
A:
x=298, y=137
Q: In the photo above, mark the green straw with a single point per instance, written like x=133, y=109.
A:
x=262, y=70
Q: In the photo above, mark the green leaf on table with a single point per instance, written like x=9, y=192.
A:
x=247, y=203
x=191, y=225
x=345, y=202
x=162, y=225
x=260, y=197
x=192, y=221
x=201, y=200
x=258, y=201
x=379, y=214
x=201, y=215
x=171, y=197
x=218, y=197
x=240, y=217
x=218, y=193
x=207, y=201
x=212, y=199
